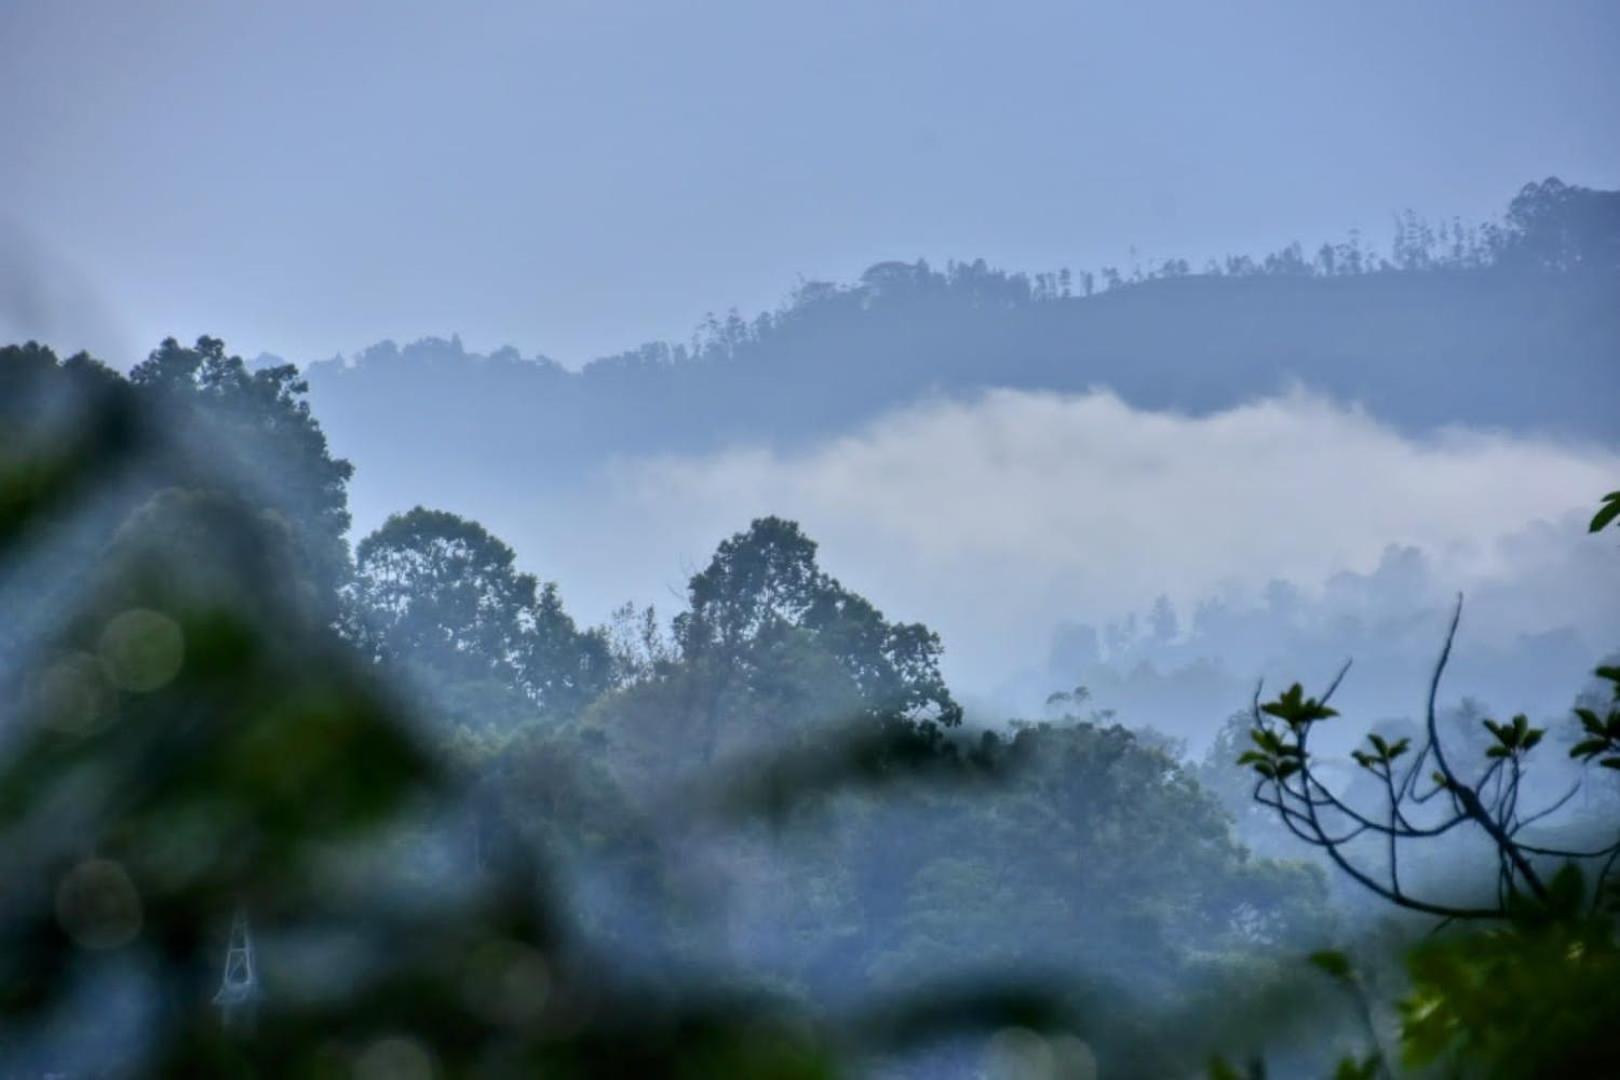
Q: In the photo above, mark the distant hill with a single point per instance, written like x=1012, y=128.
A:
x=1515, y=328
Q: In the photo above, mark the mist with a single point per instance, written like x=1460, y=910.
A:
x=922, y=541
x=997, y=518
x=993, y=519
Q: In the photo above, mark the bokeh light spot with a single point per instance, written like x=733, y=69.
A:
x=507, y=983
x=98, y=905
x=72, y=696
x=394, y=1057
x=142, y=650
x=1017, y=1053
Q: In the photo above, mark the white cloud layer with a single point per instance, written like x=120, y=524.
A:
x=993, y=518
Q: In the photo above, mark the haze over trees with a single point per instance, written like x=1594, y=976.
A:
x=1503, y=326
x=1453, y=341
x=759, y=835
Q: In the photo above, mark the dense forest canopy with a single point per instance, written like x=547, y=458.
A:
x=567, y=743
x=1020, y=541
x=761, y=834
x=1451, y=336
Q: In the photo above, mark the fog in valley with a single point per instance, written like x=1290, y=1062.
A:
x=1037, y=530
x=901, y=540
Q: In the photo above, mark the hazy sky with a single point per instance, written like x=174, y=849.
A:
x=574, y=178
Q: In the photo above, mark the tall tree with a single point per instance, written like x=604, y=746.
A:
x=1557, y=226
x=764, y=586
x=274, y=447
x=439, y=595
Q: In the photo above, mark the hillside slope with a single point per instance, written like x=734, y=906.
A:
x=1421, y=350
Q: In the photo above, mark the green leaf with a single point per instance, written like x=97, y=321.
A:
x=1267, y=740
x=1566, y=889
x=1351, y=1069
x=1610, y=763
x=1295, y=709
x=1610, y=511
x=1588, y=748
x=1331, y=961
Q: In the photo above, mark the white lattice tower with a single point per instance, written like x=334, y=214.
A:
x=239, y=986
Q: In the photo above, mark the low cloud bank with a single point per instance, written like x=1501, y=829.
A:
x=997, y=518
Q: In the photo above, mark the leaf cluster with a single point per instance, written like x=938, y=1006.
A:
x=1513, y=738
x=1534, y=997
x=1280, y=754
x=1383, y=753
x=1607, y=513
x=1275, y=756
x=1296, y=710
x=1602, y=732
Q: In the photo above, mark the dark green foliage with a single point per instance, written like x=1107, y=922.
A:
x=906, y=851
x=1607, y=513
x=1382, y=755
x=441, y=599
x=1296, y=710
x=1332, y=962
x=196, y=739
x=1365, y=1069
x=164, y=746
x=189, y=734
x=1536, y=993
x=49, y=450
x=1602, y=740
x=277, y=448
x=1537, y=997
x=1513, y=738
x=763, y=591
x=192, y=740
x=1059, y=824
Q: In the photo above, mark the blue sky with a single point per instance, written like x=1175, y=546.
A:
x=575, y=178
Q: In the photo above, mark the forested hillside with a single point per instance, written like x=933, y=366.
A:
x=757, y=838
x=1514, y=327
x=911, y=541
x=415, y=761
x=766, y=825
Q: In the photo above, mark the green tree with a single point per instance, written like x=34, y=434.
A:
x=773, y=654
x=439, y=596
x=188, y=742
x=764, y=587
x=1562, y=227
x=1117, y=863
x=273, y=450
